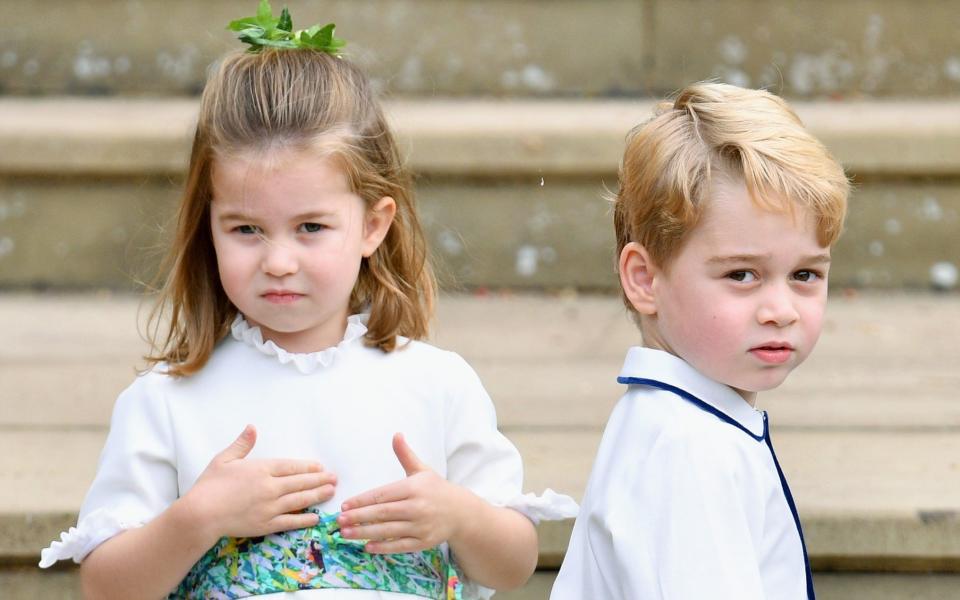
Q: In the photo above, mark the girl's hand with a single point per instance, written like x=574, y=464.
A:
x=240, y=497
x=409, y=515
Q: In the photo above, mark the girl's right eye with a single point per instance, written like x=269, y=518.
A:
x=311, y=227
x=246, y=229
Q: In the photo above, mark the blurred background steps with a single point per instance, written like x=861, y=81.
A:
x=603, y=48
x=86, y=184
x=512, y=114
x=512, y=191
x=866, y=430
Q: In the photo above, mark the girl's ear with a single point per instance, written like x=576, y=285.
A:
x=376, y=224
x=637, y=272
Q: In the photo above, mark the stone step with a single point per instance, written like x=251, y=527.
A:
x=511, y=192
x=866, y=431
x=477, y=47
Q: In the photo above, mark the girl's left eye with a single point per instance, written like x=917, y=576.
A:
x=311, y=227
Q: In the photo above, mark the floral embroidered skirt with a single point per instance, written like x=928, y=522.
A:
x=314, y=558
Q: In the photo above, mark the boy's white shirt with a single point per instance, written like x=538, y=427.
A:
x=681, y=504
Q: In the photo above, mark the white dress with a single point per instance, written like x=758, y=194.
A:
x=340, y=407
x=686, y=500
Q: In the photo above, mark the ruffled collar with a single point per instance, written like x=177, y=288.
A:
x=308, y=362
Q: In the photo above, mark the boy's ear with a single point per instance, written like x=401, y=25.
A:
x=377, y=223
x=637, y=273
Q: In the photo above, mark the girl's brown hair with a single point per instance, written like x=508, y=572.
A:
x=301, y=100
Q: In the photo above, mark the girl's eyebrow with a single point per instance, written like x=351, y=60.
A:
x=307, y=216
x=313, y=214
x=233, y=216
x=751, y=258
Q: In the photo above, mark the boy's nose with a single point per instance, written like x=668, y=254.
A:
x=279, y=260
x=777, y=308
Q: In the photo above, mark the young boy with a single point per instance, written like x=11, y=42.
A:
x=725, y=217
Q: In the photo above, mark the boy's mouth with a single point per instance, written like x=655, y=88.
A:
x=773, y=353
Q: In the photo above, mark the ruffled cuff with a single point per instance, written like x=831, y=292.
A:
x=94, y=529
x=549, y=506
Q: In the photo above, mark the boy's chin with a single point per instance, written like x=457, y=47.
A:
x=754, y=386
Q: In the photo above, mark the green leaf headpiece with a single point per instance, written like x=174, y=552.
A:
x=266, y=31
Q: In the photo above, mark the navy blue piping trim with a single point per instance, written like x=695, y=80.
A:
x=811, y=595
x=697, y=401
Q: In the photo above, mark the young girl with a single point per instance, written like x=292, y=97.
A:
x=290, y=435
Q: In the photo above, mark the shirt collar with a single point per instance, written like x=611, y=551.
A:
x=306, y=362
x=663, y=367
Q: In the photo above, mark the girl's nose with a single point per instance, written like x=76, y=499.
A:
x=777, y=308
x=279, y=260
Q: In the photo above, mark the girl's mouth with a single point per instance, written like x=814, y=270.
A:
x=281, y=297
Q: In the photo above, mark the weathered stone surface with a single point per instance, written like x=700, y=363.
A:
x=408, y=46
x=866, y=430
x=107, y=232
x=809, y=48
x=477, y=47
x=33, y=583
x=462, y=138
x=512, y=191
x=67, y=358
x=897, y=231
x=65, y=232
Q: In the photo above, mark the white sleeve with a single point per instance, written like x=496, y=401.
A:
x=483, y=460
x=676, y=525
x=136, y=476
x=479, y=457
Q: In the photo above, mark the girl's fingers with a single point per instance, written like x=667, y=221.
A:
x=304, y=481
x=376, y=513
x=240, y=447
x=285, y=467
x=298, y=501
x=294, y=521
x=392, y=492
x=395, y=546
x=378, y=531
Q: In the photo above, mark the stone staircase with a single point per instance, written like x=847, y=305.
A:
x=512, y=114
x=866, y=430
x=511, y=191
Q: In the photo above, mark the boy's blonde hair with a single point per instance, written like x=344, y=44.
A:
x=303, y=100
x=715, y=130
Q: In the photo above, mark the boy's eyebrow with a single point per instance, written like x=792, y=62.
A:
x=746, y=258
x=815, y=259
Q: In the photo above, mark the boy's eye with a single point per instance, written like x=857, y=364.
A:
x=247, y=229
x=311, y=227
x=806, y=276
x=742, y=276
